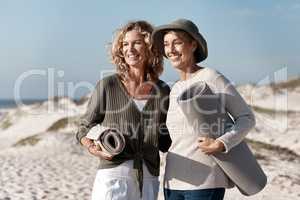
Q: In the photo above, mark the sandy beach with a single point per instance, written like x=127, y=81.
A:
x=40, y=158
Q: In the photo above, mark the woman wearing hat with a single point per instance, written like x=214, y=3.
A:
x=191, y=173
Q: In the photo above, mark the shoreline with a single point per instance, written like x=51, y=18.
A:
x=11, y=103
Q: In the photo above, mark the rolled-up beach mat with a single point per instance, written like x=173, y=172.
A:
x=204, y=110
x=208, y=117
x=111, y=140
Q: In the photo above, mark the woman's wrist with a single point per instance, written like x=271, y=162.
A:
x=220, y=145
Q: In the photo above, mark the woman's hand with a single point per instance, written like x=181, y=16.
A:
x=210, y=146
x=94, y=149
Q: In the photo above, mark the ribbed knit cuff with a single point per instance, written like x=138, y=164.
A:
x=225, y=145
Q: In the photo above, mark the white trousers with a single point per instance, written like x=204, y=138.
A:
x=120, y=183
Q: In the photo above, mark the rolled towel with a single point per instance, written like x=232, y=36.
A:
x=111, y=140
x=207, y=115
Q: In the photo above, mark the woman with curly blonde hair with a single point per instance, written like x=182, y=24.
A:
x=154, y=62
x=135, y=102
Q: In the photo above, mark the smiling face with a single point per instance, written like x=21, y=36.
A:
x=179, y=49
x=134, y=49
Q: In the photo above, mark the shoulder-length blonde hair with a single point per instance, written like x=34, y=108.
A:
x=154, y=60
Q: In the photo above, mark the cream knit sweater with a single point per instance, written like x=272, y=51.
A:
x=187, y=168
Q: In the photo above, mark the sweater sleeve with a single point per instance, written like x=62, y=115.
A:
x=95, y=112
x=238, y=109
x=164, y=139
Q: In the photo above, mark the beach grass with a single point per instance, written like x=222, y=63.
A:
x=6, y=123
x=63, y=123
x=31, y=140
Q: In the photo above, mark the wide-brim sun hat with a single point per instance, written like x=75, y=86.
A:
x=187, y=26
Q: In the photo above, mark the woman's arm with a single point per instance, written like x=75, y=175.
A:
x=94, y=114
x=241, y=113
x=235, y=105
x=164, y=139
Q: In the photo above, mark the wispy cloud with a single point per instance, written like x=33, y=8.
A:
x=287, y=10
x=280, y=7
x=295, y=6
x=247, y=12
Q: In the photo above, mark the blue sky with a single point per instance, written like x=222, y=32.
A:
x=247, y=40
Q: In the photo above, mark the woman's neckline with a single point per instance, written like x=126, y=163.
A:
x=195, y=74
x=131, y=98
x=124, y=89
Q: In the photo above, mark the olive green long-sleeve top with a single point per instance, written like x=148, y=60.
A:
x=145, y=131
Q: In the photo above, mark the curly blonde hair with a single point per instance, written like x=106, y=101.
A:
x=154, y=60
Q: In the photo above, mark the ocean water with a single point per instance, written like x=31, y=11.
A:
x=11, y=103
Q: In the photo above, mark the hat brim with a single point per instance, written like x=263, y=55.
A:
x=158, y=40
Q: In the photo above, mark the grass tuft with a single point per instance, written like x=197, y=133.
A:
x=32, y=140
